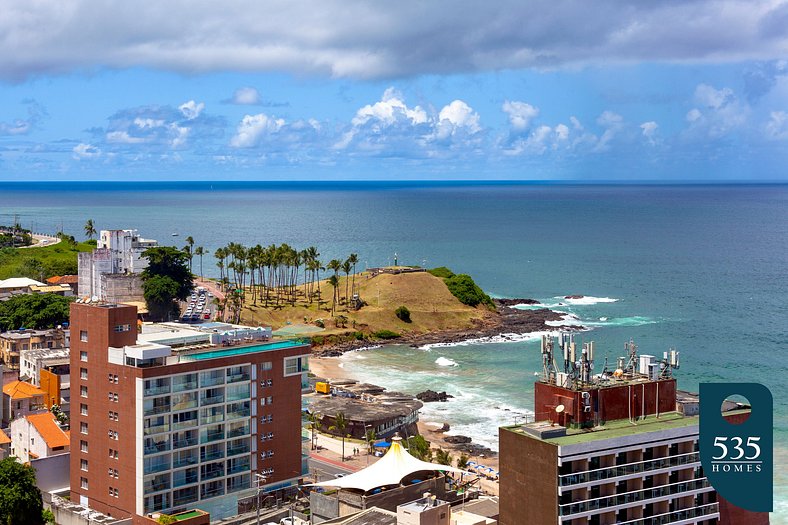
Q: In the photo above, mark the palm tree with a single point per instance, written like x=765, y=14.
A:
x=190, y=250
x=353, y=259
x=370, y=436
x=334, y=281
x=200, y=251
x=90, y=230
x=340, y=425
x=314, y=423
x=462, y=462
x=346, y=268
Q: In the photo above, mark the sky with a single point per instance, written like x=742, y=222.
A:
x=690, y=90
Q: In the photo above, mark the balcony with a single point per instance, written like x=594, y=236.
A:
x=156, y=390
x=242, y=430
x=677, y=516
x=185, y=460
x=234, y=449
x=210, y=455
x=236, y=378
x=155, y=429
x=238, y=465
x=631, y=468
x=212, y=400
x=633, y=497
x=184, y=442
x=209, y=436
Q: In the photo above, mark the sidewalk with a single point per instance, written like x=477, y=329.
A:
x=330, y=450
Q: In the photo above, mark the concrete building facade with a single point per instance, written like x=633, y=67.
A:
x=155, y=430
x=14, y=342
x=111, y=271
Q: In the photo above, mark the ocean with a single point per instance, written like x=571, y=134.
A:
x=699, y=268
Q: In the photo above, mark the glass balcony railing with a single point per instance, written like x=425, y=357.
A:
x=157, y=390
x=212, y=400
x=234, y=449
x=631, y=468
x=632, y=497
x=673, y=517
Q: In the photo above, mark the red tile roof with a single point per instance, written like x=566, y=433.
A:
x=22, y=390
x=46, y=425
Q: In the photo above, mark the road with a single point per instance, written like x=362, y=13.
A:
x=324, y=470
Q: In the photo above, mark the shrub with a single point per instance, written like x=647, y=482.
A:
x=359, y=336
x=317, y=340
x=467, y=291
x=320, y=323
x=385, y=334
x=403, y=314
x=442, y=272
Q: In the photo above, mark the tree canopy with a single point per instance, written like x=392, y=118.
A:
x=20, y=498
x=36, y=311
x=166, y=279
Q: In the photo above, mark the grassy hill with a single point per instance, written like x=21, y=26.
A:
x=40, y=263
x=432, y=307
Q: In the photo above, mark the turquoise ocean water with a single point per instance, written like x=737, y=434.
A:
x=703, y=269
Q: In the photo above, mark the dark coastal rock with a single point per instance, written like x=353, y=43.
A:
x=574, y=296
x=514, y=302
x=457, y=440
x=429, y=396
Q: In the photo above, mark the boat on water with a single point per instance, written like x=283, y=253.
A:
x=175, y=234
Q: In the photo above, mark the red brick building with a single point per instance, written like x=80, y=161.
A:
x=155, y=430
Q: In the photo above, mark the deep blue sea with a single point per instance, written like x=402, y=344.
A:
x=700, y=268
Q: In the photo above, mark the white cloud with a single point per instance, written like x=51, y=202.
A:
x=381, y=40
x=246, y=96
x=649, y=130
x=520, y=114
x=719, y=112
x=191, y=109
x=390, y=110
x=612, y=123
x=18, y=127
x=253, y=127
x=123, y=137
x=85, y=151
x=777, y=127
x=457, y=117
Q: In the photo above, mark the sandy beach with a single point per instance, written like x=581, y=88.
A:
x=331, y=368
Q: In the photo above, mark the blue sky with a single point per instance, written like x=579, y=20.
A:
x=412, y=90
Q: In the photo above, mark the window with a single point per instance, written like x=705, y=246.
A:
x=83, y=483
x=113, y=453
x=112, y=434
x=267, y=365
x=113, y=415
x=83, y=427
x=83, y=409
x=83, y=464
x=83, y=446
x=83, y=336
x=83, y=391
x=83, y=373
x=122, y=327
x=296, y=365
x=115, y=379
x=83, y=356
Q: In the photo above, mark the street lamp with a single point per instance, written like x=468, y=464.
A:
x=259, y=480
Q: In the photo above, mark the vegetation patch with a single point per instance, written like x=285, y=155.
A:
x=385, y=334
x=403, y=314
x=41, y=263
x=35, y=311
x=442, y=272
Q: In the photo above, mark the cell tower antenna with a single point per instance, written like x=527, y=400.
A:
x=632, y=357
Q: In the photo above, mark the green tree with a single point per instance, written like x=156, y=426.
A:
x=419, y=448
x=314, y=423
x=20, y=499
x=467, y=291
x=443, y=457
x=90, y=229
x=334, y=282
x=341, y=321
x=370, y=436
x=36, y=311
x=340, y=425
x=166, y=279
x=346, y=266
x=462, y=461
x=353, y=259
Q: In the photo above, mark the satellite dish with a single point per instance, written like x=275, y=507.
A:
x=559, y=409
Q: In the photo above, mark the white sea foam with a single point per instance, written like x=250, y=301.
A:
x=443, y=361
x=586, y=300
x=500, y=338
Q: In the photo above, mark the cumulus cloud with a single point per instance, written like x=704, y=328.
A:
x=246, y=96
x=191, y=109
x=253, y=127
x=649, y=130
x=382, y=40
x=84, y=151
x=520, y=114
x=612, y=124
x=390, y=110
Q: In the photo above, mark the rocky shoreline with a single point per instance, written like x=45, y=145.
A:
x=506, y=320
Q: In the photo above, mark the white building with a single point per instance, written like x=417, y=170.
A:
x=37, y=436
x=111, y=271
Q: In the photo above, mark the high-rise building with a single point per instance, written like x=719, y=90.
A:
x=620, y=447
x=159, y=430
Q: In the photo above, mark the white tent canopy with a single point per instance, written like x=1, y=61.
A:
x=388, y=470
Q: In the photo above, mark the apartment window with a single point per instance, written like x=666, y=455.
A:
x=296, y=365
x=112, y=472
x=83, y=391
x=83, y=336
x=83, y=483
x=269, y=399
x=115, y=492
x=113, y=415
x=115, y=380
x=122, y=327
x=83, y=373
x=83, y=427
x=83, y=409
x=266, y=365
x=83, y=464
x=112, y=434
x=83, y=446
x=113, y=453
x=83, y=355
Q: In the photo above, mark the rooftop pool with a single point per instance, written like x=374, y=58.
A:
x=241, y=350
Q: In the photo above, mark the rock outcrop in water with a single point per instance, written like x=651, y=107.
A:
x=430, y=396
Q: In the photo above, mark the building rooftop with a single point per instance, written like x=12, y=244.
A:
x=373, y=516
x=26, y=334
x=241, y=350
x=358, y=410
x=56, y=354
x=22, y=390
x=4, y=439
x=19, y=282
x=51, y=433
